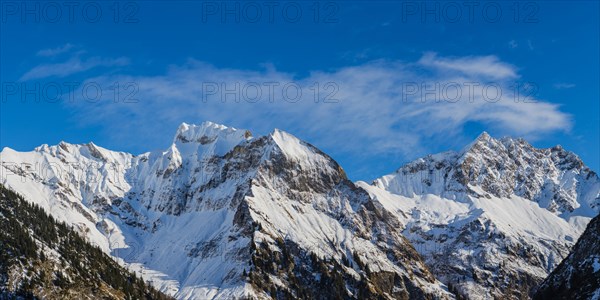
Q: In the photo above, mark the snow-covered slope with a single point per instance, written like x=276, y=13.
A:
x=578, y=276
x=44, y=259
x=493, y=219
x=221, y=214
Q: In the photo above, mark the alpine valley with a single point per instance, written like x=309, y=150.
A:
x=221, y=214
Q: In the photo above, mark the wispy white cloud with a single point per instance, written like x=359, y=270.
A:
x=563, y=85
x=513, y=44
x=55, y=51
x=72, y=66
x=482, y=66
x=382, y=106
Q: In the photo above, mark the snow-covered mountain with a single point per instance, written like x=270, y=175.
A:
x=578, y=276
x=221, y=214
x=43, y=259
x=492, y=220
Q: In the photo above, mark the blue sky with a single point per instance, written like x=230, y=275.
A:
x=381, y=82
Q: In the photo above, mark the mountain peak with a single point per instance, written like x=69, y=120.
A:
x=293, y=146
x=483, y=136
x=486, y=143
x=215, y=138
x=206, y=132
x=484, y=140
x=190, y=132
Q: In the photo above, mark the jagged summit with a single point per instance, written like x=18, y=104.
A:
x=186, y=130
x=486, y=142
x=207, y=131
x=291, y=145
x=208, y=138
x=555, y=178
x=68, y=152
x=517, y=146
x=484, y=136
x=482, y=140
x=495, y=202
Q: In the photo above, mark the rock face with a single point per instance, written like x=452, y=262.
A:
x=492, y=220
x=578, y=276
x=221, y=214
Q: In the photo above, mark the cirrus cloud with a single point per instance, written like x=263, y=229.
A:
x=55, y=51
x=71, y=66
x=385, y=106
